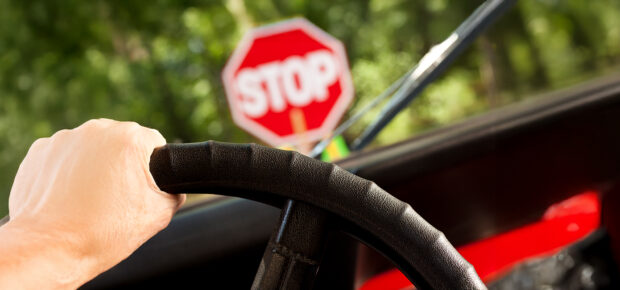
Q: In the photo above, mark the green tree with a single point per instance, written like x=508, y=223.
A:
x=159, y=62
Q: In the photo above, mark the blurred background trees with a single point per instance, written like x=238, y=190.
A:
x=158, y=62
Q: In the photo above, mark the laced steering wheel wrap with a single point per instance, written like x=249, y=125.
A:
x=361, y=207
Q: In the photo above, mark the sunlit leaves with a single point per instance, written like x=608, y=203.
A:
x=158, y=62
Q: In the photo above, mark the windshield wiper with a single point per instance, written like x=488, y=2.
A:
x=428, y=69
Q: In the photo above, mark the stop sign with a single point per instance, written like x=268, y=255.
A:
x=288, y=83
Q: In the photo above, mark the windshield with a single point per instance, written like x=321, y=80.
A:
x=64, y=62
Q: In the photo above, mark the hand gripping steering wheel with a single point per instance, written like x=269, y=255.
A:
x=313, y=194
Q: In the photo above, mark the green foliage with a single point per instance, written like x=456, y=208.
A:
x=159, y=62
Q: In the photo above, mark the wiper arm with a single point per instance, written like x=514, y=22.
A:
x=320, y=147
x=411, y=84
x=433, y=64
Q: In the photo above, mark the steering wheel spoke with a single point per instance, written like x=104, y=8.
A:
x=295, y=249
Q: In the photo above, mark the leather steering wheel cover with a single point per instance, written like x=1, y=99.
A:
x=272, y=176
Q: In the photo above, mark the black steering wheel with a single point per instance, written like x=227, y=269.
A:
x=313, y=194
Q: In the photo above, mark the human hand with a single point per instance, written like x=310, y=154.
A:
x=87, y=193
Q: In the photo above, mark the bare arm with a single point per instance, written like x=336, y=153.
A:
x=82, y=201
x=34, y=259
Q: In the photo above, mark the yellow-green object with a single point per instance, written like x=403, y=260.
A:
x=337, y=149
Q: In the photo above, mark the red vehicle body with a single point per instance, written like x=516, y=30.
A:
x=562, y=224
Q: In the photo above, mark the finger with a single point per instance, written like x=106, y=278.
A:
x=153, y=138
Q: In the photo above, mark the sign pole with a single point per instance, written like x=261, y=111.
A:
x=298, y=122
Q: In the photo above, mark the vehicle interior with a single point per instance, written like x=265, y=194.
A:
x=513, y=180
x=476, y=180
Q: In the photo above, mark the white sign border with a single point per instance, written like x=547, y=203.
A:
x=240, y=52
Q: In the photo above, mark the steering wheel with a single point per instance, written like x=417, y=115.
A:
x=313, y=194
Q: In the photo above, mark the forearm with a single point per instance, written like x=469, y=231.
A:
x=41, y=259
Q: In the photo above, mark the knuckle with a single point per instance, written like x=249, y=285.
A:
x=97, y=124
x=39, y=143
x=128, y=127
x=91, y=124
x=154, y=135
x=132, y=124
x=139, y=134
x=61, y=133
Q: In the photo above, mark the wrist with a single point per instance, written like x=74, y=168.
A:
x=34, y=257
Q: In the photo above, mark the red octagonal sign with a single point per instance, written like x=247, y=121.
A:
x=288, y=83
